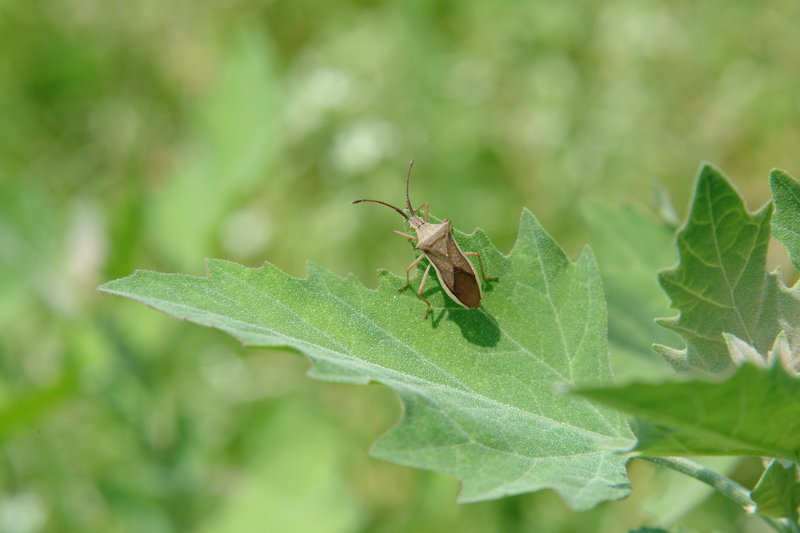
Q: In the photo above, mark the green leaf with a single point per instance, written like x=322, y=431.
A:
x=721, y=284
x=756, y=411
x=786, y=223
x=631, y=247
x=777, y=493
x=478, y=386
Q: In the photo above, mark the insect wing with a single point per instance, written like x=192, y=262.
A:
x=454, y=271
x=465, y=283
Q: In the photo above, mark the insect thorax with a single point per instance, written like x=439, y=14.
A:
x=429, y=235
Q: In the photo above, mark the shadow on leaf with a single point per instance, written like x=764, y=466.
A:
x=476, y=325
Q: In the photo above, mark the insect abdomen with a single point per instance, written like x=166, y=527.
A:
x=466, y=288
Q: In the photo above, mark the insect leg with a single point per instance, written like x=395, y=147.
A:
x=422, y=286
x=412, y=265
x=427, y=209
x=480, y=263
x=406, y=235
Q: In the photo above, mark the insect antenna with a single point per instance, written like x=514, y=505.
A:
x=408, y=178
x=382, y=203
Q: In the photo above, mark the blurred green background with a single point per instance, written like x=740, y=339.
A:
x=153, y=134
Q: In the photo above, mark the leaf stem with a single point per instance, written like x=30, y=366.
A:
x=723, y=484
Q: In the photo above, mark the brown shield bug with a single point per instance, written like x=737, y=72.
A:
x=437, y=244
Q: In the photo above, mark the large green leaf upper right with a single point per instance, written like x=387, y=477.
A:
x=733, y=313
x=721, y=284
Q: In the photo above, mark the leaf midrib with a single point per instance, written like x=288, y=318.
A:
x=317, y=348
x=718, y=251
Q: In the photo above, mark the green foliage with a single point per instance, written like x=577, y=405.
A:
x=153, y=134
x=753, y=412
x=465, y=417
x=27, y=409
x=777, y=493
x=722, y=289
x=478, y=386
x=290, y=468
x=234, y=140
x=630, y=246
x=721, y=284
x=786, y=222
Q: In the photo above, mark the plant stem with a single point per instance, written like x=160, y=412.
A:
x=723, y=484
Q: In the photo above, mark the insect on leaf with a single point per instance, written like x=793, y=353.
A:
x=478, y=385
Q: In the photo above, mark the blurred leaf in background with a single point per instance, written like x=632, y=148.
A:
x=152, y=135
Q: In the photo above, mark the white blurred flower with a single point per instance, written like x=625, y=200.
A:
x=22, y=513
x=246, y=231
x=362, y=145
x=316, y=93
